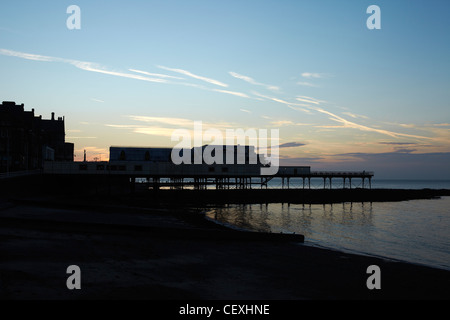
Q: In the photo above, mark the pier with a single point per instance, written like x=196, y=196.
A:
x=364, y=178
x=164, y=183
x=201, y=177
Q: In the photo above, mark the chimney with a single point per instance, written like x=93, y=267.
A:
x=53, y=116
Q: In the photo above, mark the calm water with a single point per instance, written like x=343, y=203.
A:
x=317, y=183
x=416, y=231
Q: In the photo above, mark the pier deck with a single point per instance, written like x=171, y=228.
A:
x=218, y=176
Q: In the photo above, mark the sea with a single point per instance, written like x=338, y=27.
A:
x=414, y=231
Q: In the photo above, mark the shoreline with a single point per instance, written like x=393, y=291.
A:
x=165, y=253
x=343, y=250
x=295, y=196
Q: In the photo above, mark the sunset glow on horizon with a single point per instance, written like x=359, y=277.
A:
x=343, y=97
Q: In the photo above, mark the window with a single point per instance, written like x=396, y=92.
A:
x=122, y=155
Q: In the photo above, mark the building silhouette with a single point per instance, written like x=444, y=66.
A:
x=231, y=154
x=26, y=140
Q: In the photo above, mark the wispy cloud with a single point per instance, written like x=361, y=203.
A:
x=307, y=84
x=404, y=150
x=181, y=122
x=202, y=87
x=277, y=99
x=234, y=93
x=300, y=109
x=166, y=126
x=397, y=143
x=309, y=100
x=178, y=122
x=141, y=75
x=83, y=65
x=94, y=67
x=28, y=56
x=401, y=164
x=293, y=105
x=441, y=124
x=252, y=81
x=156, y=126
x=155, y=131
x=291, y=145
x=132, y=74
x=355, y=116
x=137, y=74
x=440, y=132
x=155, y=74
x=190, y=74
x=437, y=133
x=315, y=75
x=282, y=123
x=349, y=124
x=122, y=126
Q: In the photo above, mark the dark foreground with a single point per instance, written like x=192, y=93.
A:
x=166, y=254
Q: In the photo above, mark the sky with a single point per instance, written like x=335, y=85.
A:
x=342, y=96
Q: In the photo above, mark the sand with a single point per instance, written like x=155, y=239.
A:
x=171, y=254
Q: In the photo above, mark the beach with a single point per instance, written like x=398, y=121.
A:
x=172, y=253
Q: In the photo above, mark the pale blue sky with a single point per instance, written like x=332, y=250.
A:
x=137, y=70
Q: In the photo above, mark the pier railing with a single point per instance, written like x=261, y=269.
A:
x=201, y=176
x=341, y=173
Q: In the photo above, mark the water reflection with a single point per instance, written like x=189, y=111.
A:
x=306, y=219
x=345, y=225
x=415, y=231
